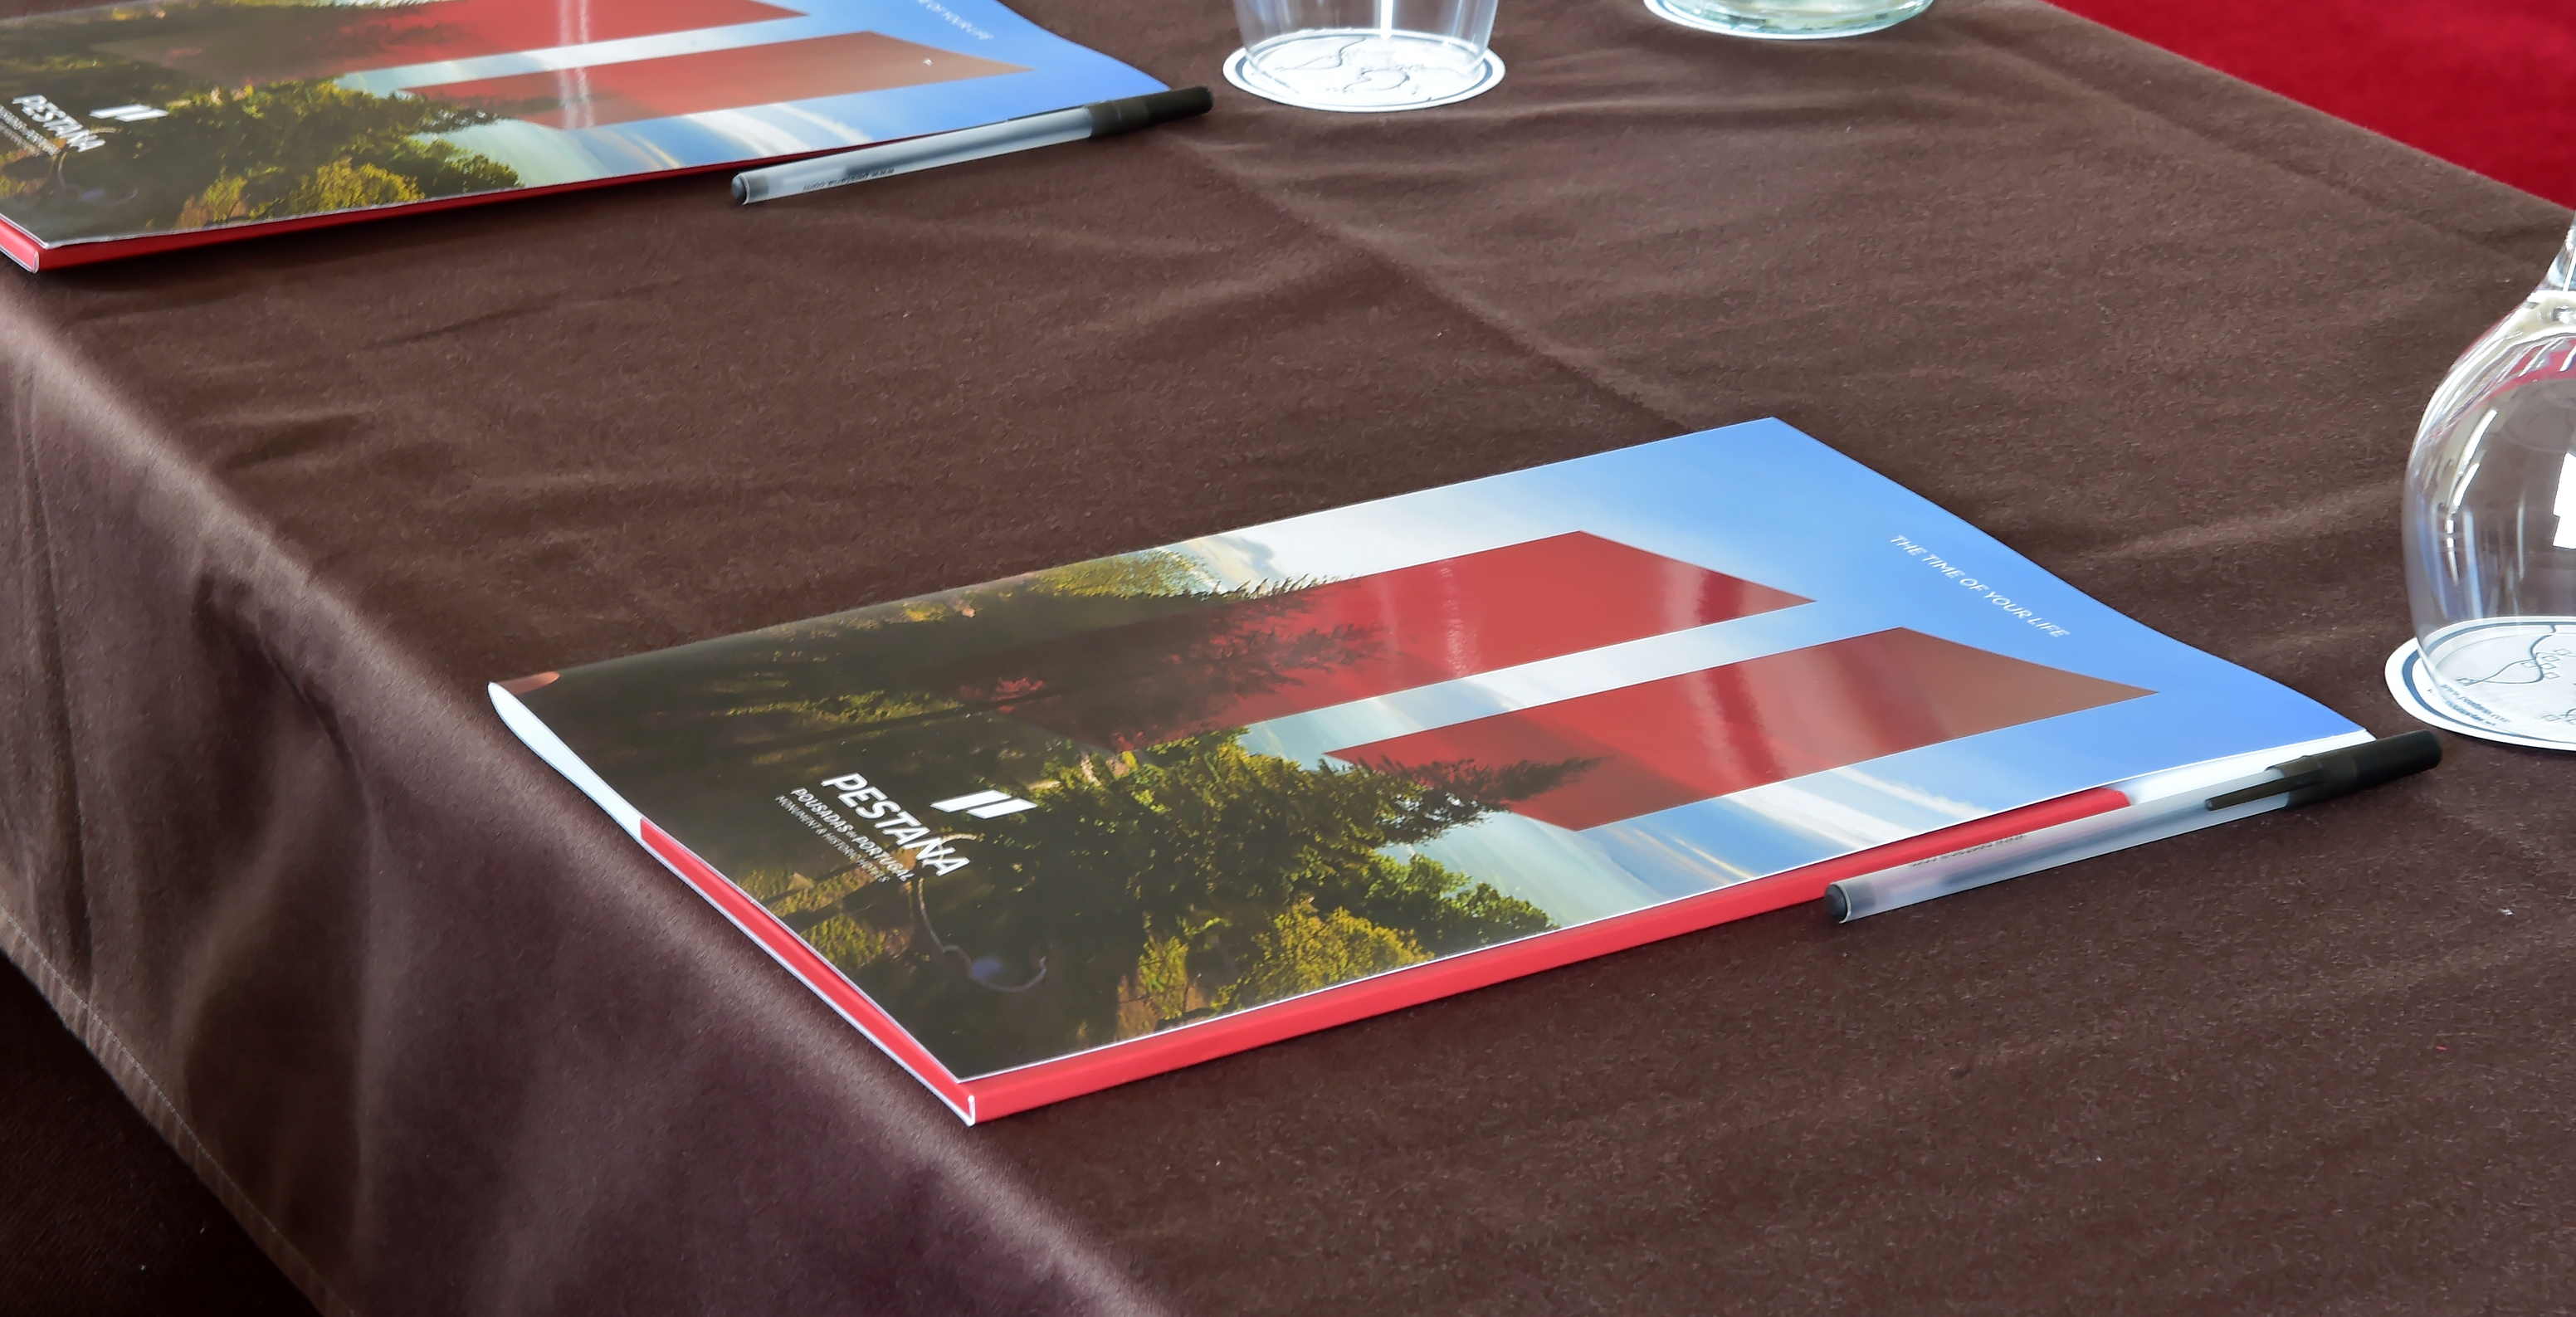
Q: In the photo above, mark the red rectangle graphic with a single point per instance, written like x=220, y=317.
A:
x=1658, y=744
x=283, y=43
x=1145, y=683
x=710, y=80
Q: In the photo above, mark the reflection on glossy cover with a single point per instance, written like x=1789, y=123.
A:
x=1159, y=806
x=182, y=116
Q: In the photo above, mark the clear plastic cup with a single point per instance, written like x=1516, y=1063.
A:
x=2490, y=527
x=1364, y=55
x=1790, y=20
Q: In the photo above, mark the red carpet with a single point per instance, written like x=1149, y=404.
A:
x=2486, y=84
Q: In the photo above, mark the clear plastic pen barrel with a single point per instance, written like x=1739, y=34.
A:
x=1923, y=880
x=904, y=157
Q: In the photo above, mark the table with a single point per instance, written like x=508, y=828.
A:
x=445, y=1041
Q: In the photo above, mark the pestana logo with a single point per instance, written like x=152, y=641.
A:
x=62, y=123
x=905, y=832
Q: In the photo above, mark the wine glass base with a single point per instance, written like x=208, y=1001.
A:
x=1364, y=71
x=2539, y=713
x=1731, y=20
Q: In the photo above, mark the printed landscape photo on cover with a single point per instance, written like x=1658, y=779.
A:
x=187, y=115
x=1102, y=801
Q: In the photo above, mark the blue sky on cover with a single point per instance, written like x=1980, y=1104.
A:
x=1769, y=504
x=1060, y=74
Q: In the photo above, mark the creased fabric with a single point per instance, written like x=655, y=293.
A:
x=447, y=1043
x=287, y=885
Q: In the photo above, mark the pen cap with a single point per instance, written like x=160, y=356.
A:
x=2355, y=768
x=1126, y=115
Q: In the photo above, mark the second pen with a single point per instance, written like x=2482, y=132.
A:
x=1104, y=119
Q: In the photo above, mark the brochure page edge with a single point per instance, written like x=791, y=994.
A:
x=778, y=941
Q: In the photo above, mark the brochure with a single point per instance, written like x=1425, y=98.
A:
x=1050, y=833
x=144, y=127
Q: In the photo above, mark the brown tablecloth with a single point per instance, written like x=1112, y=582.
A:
x=446, y=1042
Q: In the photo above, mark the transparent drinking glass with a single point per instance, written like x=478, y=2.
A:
x=1364, y=55
x=2490, y=527
x=1792, y=20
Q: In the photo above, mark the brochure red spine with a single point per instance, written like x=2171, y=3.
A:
x=989, y=1096
x=36, y=256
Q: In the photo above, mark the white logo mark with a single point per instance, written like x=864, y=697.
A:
x=984, y=804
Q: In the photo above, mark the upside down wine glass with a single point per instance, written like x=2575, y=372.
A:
x=1365, y=55
x=1788, y=20
x=2490, y=526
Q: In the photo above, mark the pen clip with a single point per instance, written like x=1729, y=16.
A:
x=2293, y=778
x=2338, y=772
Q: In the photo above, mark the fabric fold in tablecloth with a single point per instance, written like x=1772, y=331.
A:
x=263, y=864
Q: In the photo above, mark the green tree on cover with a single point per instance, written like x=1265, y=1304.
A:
x=227, y=156
x=1408, y=910
x=1163, y=991
x=944, y=658
x=914, y=686
x=1434, y=904
x=1302, y=951
x=1153, y=893
x=1156, y=884
x=768, y=883
x=245, y=137
x=845, y=942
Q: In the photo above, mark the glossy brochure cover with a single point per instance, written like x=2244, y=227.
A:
x=149, y=126
x=1055, y=832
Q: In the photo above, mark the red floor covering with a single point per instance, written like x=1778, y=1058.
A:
x=2487, y=84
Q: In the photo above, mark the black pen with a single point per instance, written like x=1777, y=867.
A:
x=2301, y=781
x=1102, y=119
